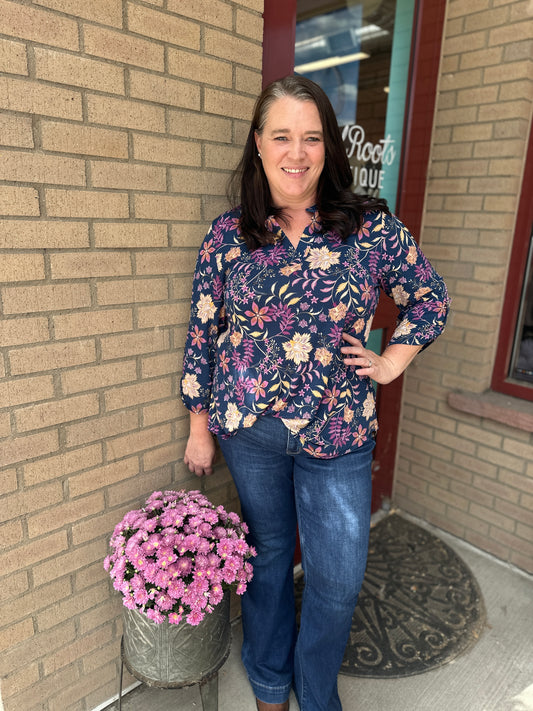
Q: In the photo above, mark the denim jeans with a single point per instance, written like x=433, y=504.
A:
x=279, y=487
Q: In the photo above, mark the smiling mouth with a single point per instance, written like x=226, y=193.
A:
x=294, y=171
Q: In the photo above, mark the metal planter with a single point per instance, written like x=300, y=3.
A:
x=169, y=656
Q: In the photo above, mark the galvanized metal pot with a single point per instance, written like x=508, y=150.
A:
x=170, y=656
x=176, y=655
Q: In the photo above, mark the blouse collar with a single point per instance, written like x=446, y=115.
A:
x=273, y=225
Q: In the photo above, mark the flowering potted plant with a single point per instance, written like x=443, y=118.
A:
x=174, y=558
x=174, y=561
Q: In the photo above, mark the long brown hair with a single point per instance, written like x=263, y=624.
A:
x=340, y=209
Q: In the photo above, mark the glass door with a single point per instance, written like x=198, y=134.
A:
x=359, y=52
x=378, y=61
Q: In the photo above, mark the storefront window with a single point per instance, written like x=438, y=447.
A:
x=522, y=354
x=359, y=54
x=513, y=366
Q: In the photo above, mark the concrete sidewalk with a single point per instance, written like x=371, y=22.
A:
x=493, y=676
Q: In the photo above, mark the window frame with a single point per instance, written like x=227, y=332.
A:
x=501, y=381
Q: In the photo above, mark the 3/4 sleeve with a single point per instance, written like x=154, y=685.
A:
x=205, y=324
x=417, y=290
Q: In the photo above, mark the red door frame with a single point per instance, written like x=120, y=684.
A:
x=278, y=60
x=279, y=36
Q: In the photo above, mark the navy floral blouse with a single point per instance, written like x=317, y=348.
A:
x=265, y=330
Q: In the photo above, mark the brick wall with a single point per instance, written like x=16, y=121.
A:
x=471, y=475
x=119, y=122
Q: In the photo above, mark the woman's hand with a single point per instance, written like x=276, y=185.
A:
x=200, y=451
x=381, y=368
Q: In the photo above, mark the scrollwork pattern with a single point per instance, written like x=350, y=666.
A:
x=419, y=606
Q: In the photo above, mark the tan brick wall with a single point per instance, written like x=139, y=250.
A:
x=470, y=475
x=119, y=122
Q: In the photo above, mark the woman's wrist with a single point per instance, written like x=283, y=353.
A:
x=198, y=423
x=398, y=357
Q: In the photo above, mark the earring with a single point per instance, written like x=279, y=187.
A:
x=259, y=154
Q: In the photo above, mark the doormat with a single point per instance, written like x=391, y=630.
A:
x=419, y=607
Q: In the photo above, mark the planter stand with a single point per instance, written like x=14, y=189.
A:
x=173, y=656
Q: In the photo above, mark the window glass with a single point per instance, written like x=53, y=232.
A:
x=359, y=54
x=522, y=354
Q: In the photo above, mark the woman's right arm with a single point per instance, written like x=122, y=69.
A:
x=200, y=451
x=200, y=351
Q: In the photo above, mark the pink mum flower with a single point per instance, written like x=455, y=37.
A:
x=155, y=615
x=214, y=560
x=204, y=546
x=205, y=528
x=228, y=575
x=184, y=565
x=195, y=617
x=216, y=594
x=176, y=588
x=211, y=517
x=166, y=556
x=151, y=545
x=164, y=602
x=162, y=579
x=191, y=542
x=129, y=602
x=225, y=547
x=248, y=566
x=241, y=547
x=140, y=596
x=179, y=547
x=202, y=562
x=233, y=562
x=150, y=572
x=137, y=582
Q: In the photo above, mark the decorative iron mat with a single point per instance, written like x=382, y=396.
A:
x=419, y=607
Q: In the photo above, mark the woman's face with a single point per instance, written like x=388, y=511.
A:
x=292, y=150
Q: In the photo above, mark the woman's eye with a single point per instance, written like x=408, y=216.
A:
x=280, y=138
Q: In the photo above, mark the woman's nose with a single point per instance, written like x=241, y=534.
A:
x=297, y=149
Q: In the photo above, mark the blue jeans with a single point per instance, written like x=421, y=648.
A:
x=279, y=487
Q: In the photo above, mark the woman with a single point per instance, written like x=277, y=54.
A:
x=276, y=366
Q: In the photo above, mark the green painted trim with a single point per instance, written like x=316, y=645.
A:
x=396, y=104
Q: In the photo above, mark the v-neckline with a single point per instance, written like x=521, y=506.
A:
x=305, y=232
x=304, y=235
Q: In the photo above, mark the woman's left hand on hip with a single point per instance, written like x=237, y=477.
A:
x=381, y=368
x=366, y=361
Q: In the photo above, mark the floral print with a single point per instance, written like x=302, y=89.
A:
x=298, y=348
x=266, y=326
